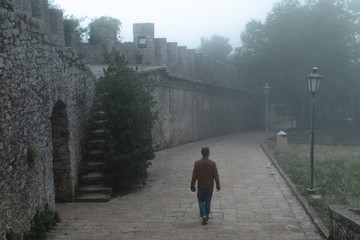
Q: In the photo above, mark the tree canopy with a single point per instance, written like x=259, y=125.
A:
x=104, y=26
x=217, y=47
x=296, y=37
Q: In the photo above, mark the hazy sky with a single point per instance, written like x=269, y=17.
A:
x=183, y=21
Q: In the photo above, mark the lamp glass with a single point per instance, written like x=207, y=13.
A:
x=314, y=81
x=267, y=89
x=314, y=84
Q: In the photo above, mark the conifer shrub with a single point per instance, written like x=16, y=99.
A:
x=127, y=103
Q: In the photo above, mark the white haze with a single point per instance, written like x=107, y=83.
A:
x=184, y=21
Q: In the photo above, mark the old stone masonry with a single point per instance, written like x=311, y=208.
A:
x=45, y=95
x=46, y=92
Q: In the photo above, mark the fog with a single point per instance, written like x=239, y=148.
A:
x=184, y=21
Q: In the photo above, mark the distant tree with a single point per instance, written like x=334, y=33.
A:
x=217, y=47
x=127, y=103
x=107, y=26
x=294, y=38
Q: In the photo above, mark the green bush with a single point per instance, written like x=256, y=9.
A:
x=42, y=222
x=12, y=236
x=127, y=104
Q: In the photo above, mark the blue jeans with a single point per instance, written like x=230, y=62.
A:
x=204, y=196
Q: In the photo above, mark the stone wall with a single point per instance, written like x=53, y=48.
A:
x=180, y=61
x=148, y=51
x=190, y=111
x=344, y=224
x=45, y=95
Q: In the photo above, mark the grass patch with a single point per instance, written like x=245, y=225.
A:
x=355, y=211
x=336, y=171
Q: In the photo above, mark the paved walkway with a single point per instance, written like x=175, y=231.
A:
x=254, y=201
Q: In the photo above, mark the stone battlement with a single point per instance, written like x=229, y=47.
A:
x=180, y=62
x=44, y=18
x=146, y=50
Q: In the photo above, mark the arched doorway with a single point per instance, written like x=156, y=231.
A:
x=61, y=153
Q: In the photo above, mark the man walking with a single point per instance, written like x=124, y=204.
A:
x=205, y=172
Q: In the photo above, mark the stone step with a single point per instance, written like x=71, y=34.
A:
x=96, y=166
x=92, y=178
x=97, y=134
x=96, y=155
x=93, y=197
x=100, y=123
x=95, y=189
x=100, y=115
x=96, y=144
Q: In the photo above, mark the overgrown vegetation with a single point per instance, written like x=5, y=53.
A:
x=73, y=32
x=336, y=171
x=42, y=222
x=109, y=25
x=127, y=103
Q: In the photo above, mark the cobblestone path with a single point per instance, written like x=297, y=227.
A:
x=254, y=201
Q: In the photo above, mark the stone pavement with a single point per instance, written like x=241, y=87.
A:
x=254, y=201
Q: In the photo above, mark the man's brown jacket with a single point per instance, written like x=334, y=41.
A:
x=205, y=172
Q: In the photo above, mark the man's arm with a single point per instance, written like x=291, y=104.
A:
x=217, y=179
x=193, y=179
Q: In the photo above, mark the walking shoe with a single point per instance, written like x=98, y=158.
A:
x=204, y=220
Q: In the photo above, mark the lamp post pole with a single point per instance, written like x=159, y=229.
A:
x=313, y=83
x=267, y=92
x=312, y=137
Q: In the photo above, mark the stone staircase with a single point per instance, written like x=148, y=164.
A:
x=92, y=186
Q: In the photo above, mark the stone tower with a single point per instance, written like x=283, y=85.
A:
x=144, y=43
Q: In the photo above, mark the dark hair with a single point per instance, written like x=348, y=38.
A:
x=205, y=151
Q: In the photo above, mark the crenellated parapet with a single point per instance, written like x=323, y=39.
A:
x=148, y=51
x=44, y=19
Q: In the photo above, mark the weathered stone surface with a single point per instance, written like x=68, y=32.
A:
x=189, y=111
x=344, y=223
x=36, y=72
x=180, y=61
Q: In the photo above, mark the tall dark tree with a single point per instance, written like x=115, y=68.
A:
x=127, y=103
x=217, y=47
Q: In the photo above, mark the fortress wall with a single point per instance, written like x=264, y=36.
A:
x=160, y=52
x=45, y=95
x=189, y=111
x=145, y=42
x=171, y=56
x=180, y=62
x=148, y=51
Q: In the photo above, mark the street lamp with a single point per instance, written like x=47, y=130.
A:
x=313, y=83
x=267, y=92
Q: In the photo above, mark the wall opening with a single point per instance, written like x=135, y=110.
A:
x=61, y=153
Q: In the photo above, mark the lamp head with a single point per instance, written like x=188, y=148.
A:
x=314, y=79
x=267, y=89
